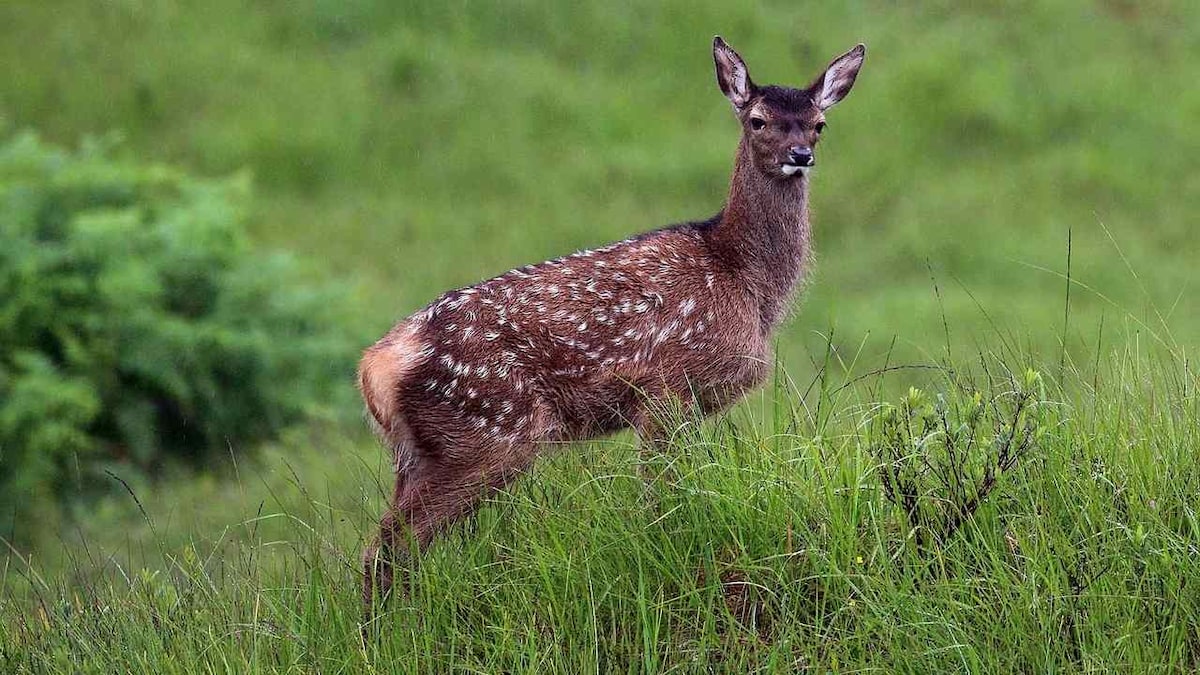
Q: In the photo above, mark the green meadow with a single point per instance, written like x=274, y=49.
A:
x=980, y=450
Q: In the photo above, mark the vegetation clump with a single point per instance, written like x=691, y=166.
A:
x=138, y=325
x=939, y=460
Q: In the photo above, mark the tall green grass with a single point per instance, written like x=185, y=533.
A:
x=761, y=542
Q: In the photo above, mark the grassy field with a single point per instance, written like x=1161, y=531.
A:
x=406, y=148
x=764, y=543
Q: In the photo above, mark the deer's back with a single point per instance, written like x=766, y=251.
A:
x=569, y=348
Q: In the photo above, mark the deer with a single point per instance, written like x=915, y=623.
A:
x=467, y=391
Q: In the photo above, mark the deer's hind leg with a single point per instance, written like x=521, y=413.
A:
x=441, y=489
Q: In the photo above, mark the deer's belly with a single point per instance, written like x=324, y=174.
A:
x=588, y=408
x=590, y=402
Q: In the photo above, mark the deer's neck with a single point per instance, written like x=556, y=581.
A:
x=763, y=234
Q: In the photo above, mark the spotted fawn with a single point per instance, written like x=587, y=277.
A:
x=468, y=390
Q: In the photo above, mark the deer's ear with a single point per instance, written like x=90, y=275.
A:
x=833, y=86
x=732, y=76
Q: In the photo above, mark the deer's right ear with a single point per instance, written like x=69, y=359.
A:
x=732, y=76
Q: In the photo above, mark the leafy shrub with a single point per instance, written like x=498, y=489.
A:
x=138, y=326
x=938, y=461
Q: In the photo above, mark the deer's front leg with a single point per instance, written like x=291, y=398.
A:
x=654, y=422
x=652, y=442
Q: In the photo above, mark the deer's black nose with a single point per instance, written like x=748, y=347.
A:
x=800, y=156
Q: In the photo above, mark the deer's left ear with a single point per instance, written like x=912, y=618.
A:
x=838, y=78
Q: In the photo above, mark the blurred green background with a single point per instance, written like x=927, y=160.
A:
x=405, y=148
x=413, y=147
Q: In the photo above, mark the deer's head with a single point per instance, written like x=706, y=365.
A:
x=781, y=125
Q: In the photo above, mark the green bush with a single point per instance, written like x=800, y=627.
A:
x=139, y=328
x=938, y=460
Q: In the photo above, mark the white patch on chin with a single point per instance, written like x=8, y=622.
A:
x=793, y=169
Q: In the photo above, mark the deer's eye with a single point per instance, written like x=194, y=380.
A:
x=820, y=127
x=757, y=123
